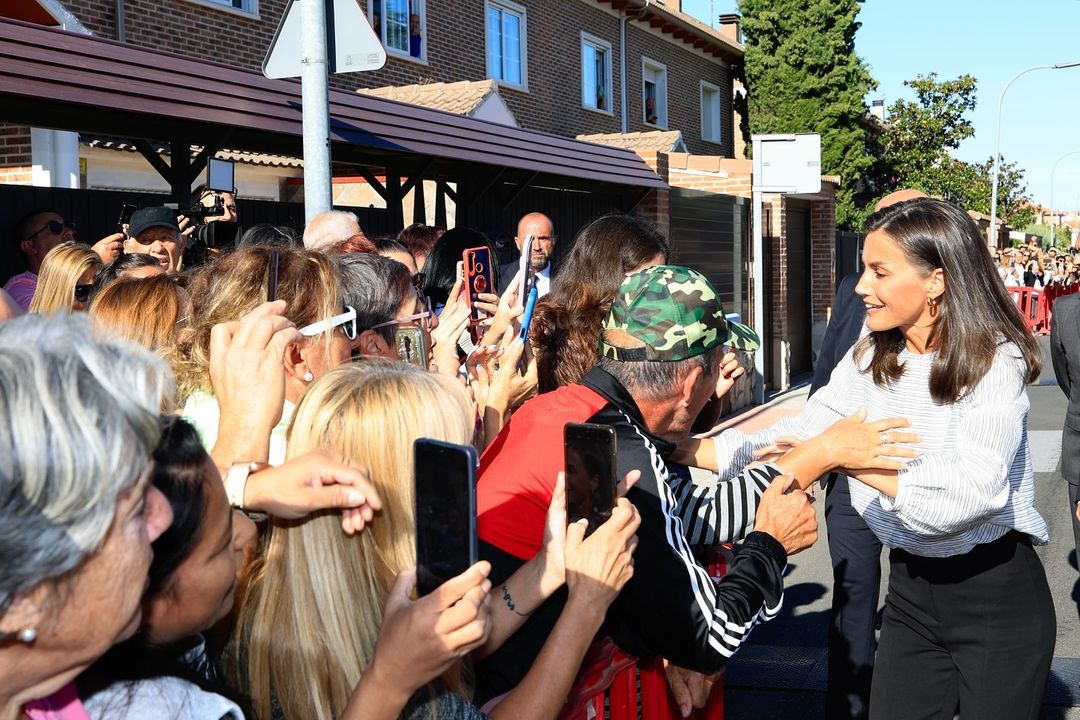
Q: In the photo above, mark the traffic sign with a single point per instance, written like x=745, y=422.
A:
x=352, y=46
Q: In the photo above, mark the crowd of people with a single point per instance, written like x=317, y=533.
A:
x=207, y=498
x=1032, y=266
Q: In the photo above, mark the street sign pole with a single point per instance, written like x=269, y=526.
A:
x=315, y=92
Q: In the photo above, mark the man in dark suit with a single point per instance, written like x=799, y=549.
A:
x=542, y=230
x=853, y=548
x=1065, y=355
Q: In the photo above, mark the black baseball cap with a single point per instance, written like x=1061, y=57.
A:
x=146, y=218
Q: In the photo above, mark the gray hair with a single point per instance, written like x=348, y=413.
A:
x=654, y=380
x=82, y=419
x=376, y=287
x=329, y=228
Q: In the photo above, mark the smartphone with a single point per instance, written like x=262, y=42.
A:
x=411, y=346
x=272, y=275
x=526, y=317
x=478, y=279
x=444, y=479
x=125, y=217
x=524, y=271
x=589, y=467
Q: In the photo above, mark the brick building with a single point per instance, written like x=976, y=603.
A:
x=559, y=65
x=629, y=73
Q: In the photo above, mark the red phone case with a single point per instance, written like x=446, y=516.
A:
x=478, y=279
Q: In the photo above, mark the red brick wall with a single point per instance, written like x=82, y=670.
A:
x=456, y=51
x=822, y=257
x=15, y=157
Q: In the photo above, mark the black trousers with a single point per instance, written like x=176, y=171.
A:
x=856, y=561
x=973, y=631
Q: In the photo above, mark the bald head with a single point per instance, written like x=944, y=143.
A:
x=898, y=197
x=541, y=228
x=329, y=228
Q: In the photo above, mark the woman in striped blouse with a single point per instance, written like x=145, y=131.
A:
x=969, y=621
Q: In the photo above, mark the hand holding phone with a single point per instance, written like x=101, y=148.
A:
x=589, y=464
x=445, y=511
x=125, y=218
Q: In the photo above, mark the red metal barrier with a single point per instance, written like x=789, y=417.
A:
x=1033, y=307
x=1037, y=306
x=635, y=689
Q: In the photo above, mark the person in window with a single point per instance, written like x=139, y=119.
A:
x=415, y=38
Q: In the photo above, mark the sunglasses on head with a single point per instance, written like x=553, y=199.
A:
x=346, y=321
x=82, y=292
x=55, y=227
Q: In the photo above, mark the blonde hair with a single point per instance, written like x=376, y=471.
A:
x=233, y=285
x=143, y=310
x=60, y=272
x=312, y=614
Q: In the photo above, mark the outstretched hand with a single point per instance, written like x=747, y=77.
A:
x=856, y=444
x=314, y=481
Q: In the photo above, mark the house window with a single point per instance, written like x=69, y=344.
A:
x=710, y=112
x=247, y=7
x=507, y=60
x=400, y=25
x=595, y=73
x=654, y=93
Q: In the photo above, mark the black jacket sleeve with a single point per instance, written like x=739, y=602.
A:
x=671, y=607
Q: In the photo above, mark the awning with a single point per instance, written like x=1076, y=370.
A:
x=54, y=79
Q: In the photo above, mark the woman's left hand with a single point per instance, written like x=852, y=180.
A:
x=859, y=445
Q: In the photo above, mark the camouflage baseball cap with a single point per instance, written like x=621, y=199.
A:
x=669, y=313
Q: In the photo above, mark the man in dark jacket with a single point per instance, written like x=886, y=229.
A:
x=662, y=345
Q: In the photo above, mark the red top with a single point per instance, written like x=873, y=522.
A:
x=518, y=470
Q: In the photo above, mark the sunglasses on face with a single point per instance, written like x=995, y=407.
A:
x=346, y=321
x=82, y=292
x=56, y=227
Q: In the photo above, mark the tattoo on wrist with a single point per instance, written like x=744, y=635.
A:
x=510, y=602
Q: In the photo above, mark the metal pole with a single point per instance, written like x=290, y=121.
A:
x=759, y=300
x=997, y=142
x=315, y=94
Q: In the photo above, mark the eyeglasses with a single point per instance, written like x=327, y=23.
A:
x=346, y=321
x=82, y=292
x=55, y=227
x=423, y=317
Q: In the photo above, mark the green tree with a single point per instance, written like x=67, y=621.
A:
x=916, y=145
x=803, y=76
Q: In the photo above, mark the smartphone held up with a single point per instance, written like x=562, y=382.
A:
x=589, y=468
x=445, y=511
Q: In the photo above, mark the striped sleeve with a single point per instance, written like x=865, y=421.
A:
x=722, y=511
x=695, y=621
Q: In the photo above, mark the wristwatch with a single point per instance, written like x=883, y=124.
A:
x=236, y=481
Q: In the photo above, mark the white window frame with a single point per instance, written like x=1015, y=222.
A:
x=598, y=44
x=706, y=133
x=661, y=93
x=519, y=10
x=250, y=9
x=394, y=52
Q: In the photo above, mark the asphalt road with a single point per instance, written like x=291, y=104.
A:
x=782, y=669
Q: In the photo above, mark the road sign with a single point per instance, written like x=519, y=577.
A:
x=787, y=163
x=352, y=46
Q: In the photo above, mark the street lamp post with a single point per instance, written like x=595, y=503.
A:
x=997, y=140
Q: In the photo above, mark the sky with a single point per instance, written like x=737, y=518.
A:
x=990, y=40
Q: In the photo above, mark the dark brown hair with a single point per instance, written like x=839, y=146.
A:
x=976, y=315
x=565, y=331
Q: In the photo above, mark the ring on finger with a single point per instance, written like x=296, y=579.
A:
x=884, y=438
